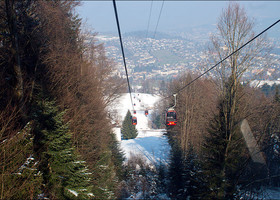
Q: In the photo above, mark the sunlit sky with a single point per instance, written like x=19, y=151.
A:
x=176, y=15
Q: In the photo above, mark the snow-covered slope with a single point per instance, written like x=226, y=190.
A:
x=151, y=144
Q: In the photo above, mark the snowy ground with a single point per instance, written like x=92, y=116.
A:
x=150, y=143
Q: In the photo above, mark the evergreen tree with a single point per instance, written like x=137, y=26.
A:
x=128, y=130
x=271, y=145
x=192, y=174
x=64, y=175
x=104, y=175
x=185, y=177
x=223, y=152
x=161, y=178
x=176, y=173
x=117, y=156
x=157, y=121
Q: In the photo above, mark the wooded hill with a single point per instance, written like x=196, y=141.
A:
x=56, y=139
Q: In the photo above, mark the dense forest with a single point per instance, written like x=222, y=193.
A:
x=56, y=138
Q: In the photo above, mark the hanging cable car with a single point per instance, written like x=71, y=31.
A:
x=134, y=121
x=134, y=112
x=171, y=115
x=146, y=112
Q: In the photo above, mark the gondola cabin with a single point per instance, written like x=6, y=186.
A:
x=134, y=112
x=171, y=117
x=134, y=121
x=146, y=112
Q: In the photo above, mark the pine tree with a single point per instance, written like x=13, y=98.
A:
x=157, y=121
x=223, y=153
x=161, y=178
x=117, y=156
x=271, y=145
x=105, y=179
x=192, y=174
x=65, y=176
x=175, y=173
x=128, y=130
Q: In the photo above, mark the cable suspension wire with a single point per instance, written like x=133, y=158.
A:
x=181, y=89
x=158, y=19
x=151, y=7
x=122, y=49
x=149, y=49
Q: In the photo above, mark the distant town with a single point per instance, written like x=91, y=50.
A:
x=169, y=55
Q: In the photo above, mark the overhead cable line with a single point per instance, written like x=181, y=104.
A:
x=122, y=49
x=149, y=49
x=158, y=19
x=151, y=7
x=225, y=58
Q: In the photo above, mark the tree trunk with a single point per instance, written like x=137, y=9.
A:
x=18, y=90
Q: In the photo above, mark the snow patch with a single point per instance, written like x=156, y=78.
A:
x=73, y=192
x=257, y=83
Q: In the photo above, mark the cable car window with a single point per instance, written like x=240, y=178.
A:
x=171, y=115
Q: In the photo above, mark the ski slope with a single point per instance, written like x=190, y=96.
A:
x=150, y=144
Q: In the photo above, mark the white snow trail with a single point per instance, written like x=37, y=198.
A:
x=150, y=144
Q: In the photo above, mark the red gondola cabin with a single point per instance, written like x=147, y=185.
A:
x=134, y=121
x=146, y=112
x=171, y=117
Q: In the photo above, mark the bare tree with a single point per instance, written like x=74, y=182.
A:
x=195, y=106
x=111, y=85
x=235, y=28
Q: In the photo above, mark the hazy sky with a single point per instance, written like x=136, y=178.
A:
x=176, y=15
